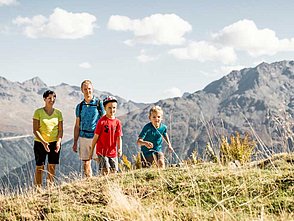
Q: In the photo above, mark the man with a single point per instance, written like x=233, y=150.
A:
x=88, y=112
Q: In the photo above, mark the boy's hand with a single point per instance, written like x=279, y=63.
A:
x=171, y=149
x=119, y=152
x=148, y=144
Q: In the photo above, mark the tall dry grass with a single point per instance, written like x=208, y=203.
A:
x=204, y=191
x=196, y=190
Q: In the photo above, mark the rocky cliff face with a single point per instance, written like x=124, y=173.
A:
x=256, y=100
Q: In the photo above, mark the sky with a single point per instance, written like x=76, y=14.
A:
x=142, y=51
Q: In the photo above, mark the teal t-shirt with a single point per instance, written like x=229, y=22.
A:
x=153, y=135
x=89, y=117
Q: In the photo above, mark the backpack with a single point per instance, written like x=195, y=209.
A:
x=99, y=108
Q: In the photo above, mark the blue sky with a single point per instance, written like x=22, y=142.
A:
x=141, y=50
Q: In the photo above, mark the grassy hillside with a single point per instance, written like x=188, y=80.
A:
x=260, y=191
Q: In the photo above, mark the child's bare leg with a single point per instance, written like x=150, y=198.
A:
x=104, y=171
x=160, y=160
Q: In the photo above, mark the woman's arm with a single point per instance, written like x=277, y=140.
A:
x=59, y=136
x=36, y=131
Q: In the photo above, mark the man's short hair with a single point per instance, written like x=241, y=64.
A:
x=85, y=82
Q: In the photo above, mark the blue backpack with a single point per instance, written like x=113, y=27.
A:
x=99, y=107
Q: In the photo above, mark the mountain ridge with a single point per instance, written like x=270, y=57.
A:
x=257, y=100
x=27, y=96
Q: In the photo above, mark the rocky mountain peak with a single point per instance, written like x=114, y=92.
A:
x=33, y=83
x=36, y=81
x=262, y=76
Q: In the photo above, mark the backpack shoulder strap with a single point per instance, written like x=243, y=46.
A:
x=99, y=107
x=80, y=109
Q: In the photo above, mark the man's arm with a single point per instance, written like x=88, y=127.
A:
x=76, y=134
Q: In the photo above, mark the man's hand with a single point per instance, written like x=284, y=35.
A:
x=75, y=147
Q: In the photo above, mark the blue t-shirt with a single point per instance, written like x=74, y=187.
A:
x=153, y=135
x=89, y=117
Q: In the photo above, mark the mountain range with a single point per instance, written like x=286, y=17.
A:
x=257, y=100
x=19, y=100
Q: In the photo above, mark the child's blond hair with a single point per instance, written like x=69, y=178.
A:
x=155, y=109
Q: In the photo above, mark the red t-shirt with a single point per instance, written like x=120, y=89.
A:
x=108, y=130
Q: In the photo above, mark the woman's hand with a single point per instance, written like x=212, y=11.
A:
x=58, y=145
x=46, y=146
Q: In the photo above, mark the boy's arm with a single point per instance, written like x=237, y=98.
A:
x=119, y=146
x=147, y=144
x=94, y=141
x=166, y=138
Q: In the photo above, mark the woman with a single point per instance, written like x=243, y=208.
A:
x=48, y=131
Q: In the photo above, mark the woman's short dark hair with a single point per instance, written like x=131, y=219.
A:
x=48, y=92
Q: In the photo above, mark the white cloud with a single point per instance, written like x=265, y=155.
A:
x=144, y=58
x=203, y=51
x=8, y=2
x=60, y=24
x=85, y=65
x=244, y=35
x=172, y=92
x=157, y=29
x=224, y=70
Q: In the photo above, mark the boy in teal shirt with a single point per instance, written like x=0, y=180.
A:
x=150, y=139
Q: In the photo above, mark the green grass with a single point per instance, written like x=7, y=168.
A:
x=197, y=192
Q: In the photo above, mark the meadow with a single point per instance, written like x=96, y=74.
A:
x=260, y=190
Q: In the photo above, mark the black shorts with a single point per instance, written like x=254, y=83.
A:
x=147, y=161
x=107, y=162
x=41, y=153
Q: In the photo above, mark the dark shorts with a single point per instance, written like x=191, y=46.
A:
x=148, y=160
x=41, y=153
x=107, y=162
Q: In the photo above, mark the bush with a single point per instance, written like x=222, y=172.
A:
x=237, y=148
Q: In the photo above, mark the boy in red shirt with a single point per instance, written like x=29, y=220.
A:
x=107, y=138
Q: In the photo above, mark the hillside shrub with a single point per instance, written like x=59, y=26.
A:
x=237, y=148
